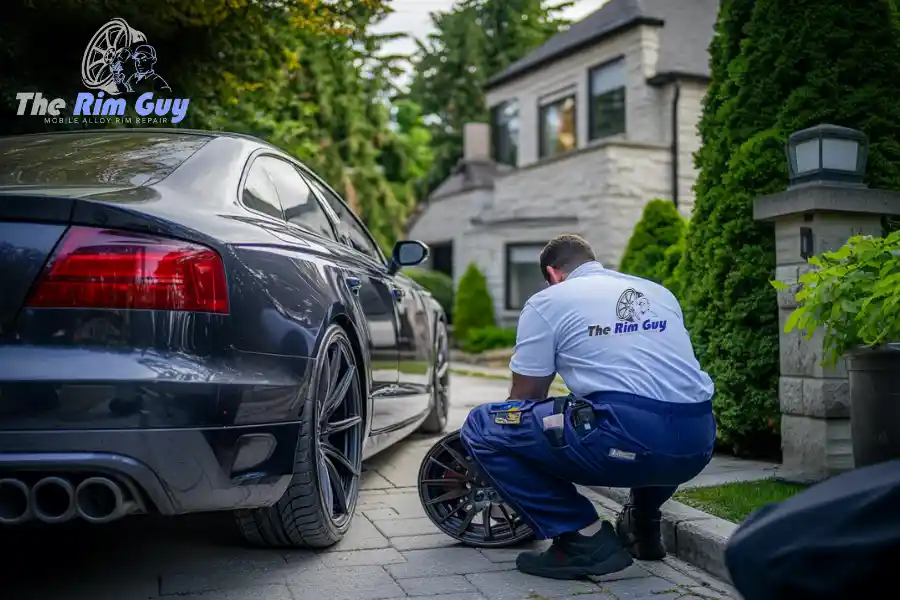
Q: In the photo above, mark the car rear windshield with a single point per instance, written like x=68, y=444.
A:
x=95, y=158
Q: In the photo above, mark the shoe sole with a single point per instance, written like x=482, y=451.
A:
x=613, y=564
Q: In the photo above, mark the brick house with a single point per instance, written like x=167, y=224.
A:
x=584, y=131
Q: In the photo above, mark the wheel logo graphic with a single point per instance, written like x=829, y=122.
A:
x=102, y=65
x=627, y=306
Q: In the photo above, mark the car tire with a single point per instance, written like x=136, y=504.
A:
x=436, y=421
x=310, y=514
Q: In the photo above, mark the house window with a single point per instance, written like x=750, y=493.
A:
x=607, y=97
x=557, y=122
x=442, y=258
x=505, y=132
x=523, y=273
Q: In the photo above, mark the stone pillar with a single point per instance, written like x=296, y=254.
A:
x=815, y=402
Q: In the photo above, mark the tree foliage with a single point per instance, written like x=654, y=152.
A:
x=660, y=228
x=439, y=284
x=777, y=67
x=473, y=307
x=304, y=75
x=471, y=43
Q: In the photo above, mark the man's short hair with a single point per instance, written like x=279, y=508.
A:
x=566, y=253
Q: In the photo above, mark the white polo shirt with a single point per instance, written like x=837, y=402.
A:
x=605, y=331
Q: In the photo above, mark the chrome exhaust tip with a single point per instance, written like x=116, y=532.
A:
x=15, y=505
x=53, y=500
x=101, y=500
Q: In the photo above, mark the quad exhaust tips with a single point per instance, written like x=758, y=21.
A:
x=55, y=500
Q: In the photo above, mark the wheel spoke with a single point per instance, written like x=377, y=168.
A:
x=337, y=394
x=442, y=369
x=467, y=520
x=444, y=481
x=336, y=455
x=339, y=493
x=338, y=426
x=465, y=476
x=459, y=492
x=333, y=369
x=486, y=517
x=512, y=524
x=450, y=514
x=457, y=456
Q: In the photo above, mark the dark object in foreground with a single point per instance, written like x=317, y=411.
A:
x=874, y=410
x=461, y=503
x=837, y=540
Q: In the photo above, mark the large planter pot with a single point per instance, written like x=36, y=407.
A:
x=875, y=403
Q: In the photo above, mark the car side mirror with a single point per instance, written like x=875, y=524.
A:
x=407, y=253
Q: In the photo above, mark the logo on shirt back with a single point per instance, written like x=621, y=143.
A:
x=634, y=315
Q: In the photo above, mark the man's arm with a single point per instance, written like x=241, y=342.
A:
x=533, y=364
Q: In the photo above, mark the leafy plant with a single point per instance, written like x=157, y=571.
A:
x=660, y=228
x=473, y=307
x=439, y=284
x=489, y=338
x=853, y=295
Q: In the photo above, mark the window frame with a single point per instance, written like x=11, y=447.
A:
x=493, y=111
x=507, y=263
x=542, y=107
x=308, y=173
x=248, y=166
x=592, y=113
x=313, y=196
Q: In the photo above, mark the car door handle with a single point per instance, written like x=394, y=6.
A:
x=354, y=283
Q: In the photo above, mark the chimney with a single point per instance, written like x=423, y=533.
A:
x=476, y=142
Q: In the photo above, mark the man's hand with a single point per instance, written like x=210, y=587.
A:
x=530, y=388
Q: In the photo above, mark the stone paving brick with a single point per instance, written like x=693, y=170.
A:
x=500, y=555
x=642, y=588
x=446, y=561
x=234, y=570
x=380, y=514
x=361, y=558
x=423, y=542
x=472, y=596
x=513, y=585
x=362, y=536
x=431, y=586
x=344, y=583
x=632, y=572
x=372, y=480
x=266, y=592
x=400, y=527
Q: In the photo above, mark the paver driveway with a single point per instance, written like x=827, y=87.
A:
x=392, y=551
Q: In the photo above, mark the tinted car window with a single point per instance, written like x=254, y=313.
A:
x=297, y=200
x=126, y=158
x=349, y=227
x=259, y=191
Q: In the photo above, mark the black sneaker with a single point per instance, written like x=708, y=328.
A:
x=640, y=536
x=575, y=556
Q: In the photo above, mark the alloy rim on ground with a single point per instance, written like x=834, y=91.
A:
x=339, y=432
x=461, y=503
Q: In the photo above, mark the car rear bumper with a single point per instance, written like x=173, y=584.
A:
x=189, y=434
x=175, y=471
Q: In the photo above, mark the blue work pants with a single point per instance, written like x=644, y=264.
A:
x=649, y=446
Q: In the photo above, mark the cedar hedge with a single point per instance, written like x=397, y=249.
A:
x=473, y=307
x=777, y=67
x=660, y=228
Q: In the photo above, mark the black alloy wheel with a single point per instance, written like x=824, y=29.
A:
x=317, y=508
x=462, y=504
x=436, y=422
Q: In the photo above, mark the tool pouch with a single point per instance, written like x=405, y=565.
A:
x=557, y=435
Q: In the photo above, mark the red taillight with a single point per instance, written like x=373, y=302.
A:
x=103, y=268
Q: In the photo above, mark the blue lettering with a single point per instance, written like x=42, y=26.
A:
x=649, y=325
x=619, y=327
x=662, y=326
x=144, y=104
x=83, y=104
x=179, y=109
x=113, y=106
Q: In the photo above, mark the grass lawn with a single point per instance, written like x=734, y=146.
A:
x=735, y=501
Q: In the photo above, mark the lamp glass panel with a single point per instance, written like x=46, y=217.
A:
x=807, y=153
x=838, y=154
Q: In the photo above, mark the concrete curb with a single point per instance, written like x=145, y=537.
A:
x=689, y=534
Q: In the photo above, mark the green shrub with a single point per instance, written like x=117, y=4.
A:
x=473, y=307
x=671, y=276
x=769, y=78
x=660, y=228
x=439, y=284
x=853, y=296
x=489, y=338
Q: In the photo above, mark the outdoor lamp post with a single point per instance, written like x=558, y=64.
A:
x=827, y=154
